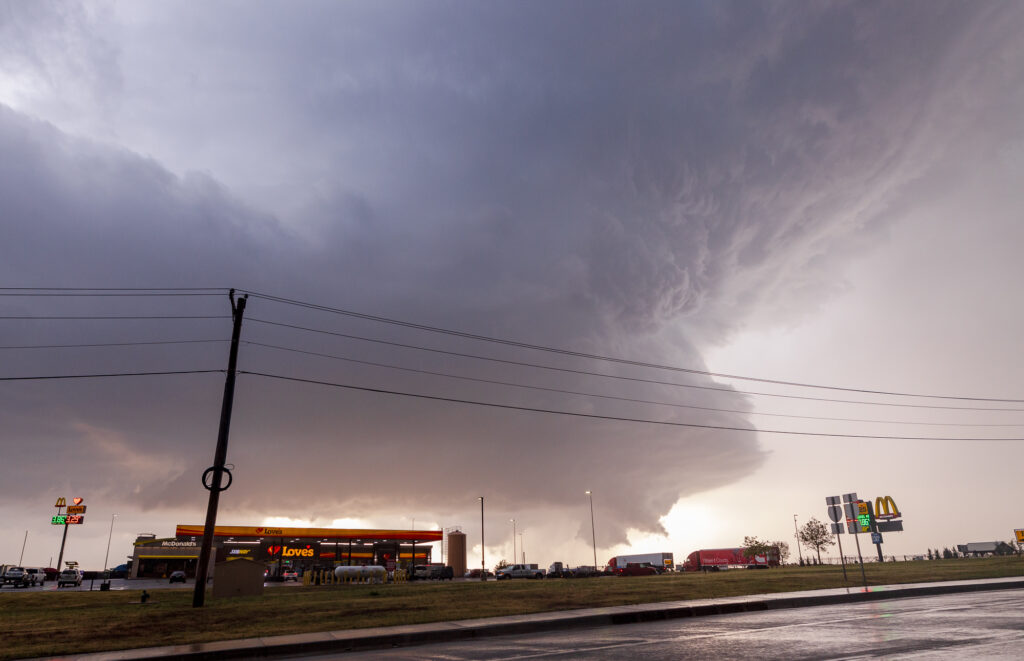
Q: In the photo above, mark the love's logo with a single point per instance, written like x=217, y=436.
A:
x=77, y=501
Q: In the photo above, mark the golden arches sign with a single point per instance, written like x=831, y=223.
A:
x=61, y=502
x=885, y=508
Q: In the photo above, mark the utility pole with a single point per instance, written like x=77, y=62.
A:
x=593, y=533
x=25, y=541
x=483, y=566
x=217, y=471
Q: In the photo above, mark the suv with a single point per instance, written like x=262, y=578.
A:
x=69, y=577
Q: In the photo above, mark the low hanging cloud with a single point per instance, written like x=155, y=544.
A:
x=620, y=180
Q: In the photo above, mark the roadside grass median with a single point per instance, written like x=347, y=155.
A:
x=58, y=623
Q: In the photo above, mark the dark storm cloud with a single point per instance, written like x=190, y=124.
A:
x=631, y=180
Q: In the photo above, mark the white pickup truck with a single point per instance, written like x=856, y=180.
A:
x=520, y=571
x=18, y=577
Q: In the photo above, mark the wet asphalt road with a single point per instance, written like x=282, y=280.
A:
x=981, y=625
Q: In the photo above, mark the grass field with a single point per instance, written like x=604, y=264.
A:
x=51, y=623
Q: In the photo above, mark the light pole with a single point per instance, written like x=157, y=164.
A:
x=483, y=567
x=522, y=548
x=23, y=543
x=106, y=556
x=513, y=540
x=796, y=533
x=593, y=533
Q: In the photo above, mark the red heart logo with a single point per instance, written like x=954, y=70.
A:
x=77, y=501
x=259, y=530
x=273, y=550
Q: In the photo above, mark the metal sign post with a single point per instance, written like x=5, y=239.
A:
x=853, y=526
x=835, y=512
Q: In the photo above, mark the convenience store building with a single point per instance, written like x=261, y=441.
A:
x=282, y=548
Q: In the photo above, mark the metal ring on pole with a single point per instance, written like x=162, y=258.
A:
x=213, y=469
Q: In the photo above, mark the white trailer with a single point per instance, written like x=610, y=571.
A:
x=662, y=561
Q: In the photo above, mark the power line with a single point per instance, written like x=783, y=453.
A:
x=98, y=376
x=42, y=290
x=141, y=316
x=614, y=397
x=567, y=370
x=594, y=416
x=107, y=294
x=105, y=344
x=621, y=361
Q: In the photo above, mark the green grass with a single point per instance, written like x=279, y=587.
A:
x=52, y=623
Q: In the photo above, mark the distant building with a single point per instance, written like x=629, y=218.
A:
x=985, y=548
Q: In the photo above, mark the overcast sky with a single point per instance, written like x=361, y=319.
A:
x=822, y=193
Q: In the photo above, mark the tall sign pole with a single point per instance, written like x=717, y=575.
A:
x=213, y=475
x=74, y=515
x=835, y=513
x=851, y=505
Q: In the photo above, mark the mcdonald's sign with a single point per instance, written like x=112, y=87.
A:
x=61, y=502
x=885, y=508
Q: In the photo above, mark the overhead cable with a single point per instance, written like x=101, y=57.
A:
x=617, y=376
x=580, y=354
x=616, y=418
x=614, y=397
x=104, y=375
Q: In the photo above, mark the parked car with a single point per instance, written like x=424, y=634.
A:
x=177, y=577
x=475, y=573
x=441, y=573
x=290, y=575
x=583, y=571
x=69, y=577
x=637, y=569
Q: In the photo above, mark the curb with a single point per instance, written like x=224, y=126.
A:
x=439, y=632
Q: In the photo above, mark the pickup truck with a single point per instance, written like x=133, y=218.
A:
x=17, y=577
x=519, y=571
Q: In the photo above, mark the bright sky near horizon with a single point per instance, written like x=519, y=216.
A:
x=824, y=194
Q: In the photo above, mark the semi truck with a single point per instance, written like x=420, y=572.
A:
x=663, y=561
x=717, y=559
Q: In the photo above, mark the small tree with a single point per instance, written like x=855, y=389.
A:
x=783, y=548
x=929, y=554
x=753, y=546
x=815, y=535
x=501, y=565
